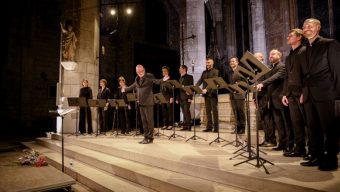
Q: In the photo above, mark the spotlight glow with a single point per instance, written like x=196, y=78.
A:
x=129, y=11
x=113, y=12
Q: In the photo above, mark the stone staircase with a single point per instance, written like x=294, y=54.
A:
x=107, y=163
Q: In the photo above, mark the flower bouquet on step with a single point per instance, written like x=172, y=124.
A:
x=32, y=157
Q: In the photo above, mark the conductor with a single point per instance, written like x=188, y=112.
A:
x=144, y=84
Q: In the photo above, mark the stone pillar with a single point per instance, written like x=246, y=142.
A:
x=86, y=57
x=258, y=27
x=195, y=49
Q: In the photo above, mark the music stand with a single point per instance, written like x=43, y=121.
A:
x=254, y=65
x=131, y=97
x=235, y=89
x=216, y=83
x=159, y=99
x=61, y=113
x=113, y=103
x=76, y=102
x=97, y=103
x=175, y=85
x=258, y=69
x=193, y=90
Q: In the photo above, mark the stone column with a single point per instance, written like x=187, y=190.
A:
x=87, y=62
x=258, y=27
x=195, y=49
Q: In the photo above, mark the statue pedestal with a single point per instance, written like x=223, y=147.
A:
x=69, y=65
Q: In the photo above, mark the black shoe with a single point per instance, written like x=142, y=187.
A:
x=150, y=140
x=215, y=130
x=307, y=157
x=240, y=131
x=207, y=130
x=311, y=163
x=294, y=154
x=165, y=127
x=169, y=128
x=263, y=144
x=183, y=129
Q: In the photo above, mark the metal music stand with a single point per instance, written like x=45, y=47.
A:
x=258, y=69
x=132, y=97
x=76, y=102
x=113, y=103
x=61, y=113
x=97, y=103
x=159, y=99
x=175, y=85
x=216, y=83
x=193, y=90
x=254, y=65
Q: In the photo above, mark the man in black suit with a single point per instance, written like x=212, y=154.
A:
x=144, y=84
x=292, y=89
x=237, y=99
x=210, y=96
x=274, y=83
x=265, y=118
x=167, y=91
x=321, y=85
x=183, y=98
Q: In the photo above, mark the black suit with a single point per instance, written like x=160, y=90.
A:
x=167, y=108
x=292, y=89
x=237, y=103
x=274, y=83
x=210, y=98
x=321, y=76
x=144, y=88
x=265, y=114
x=183, y=99
x=103, y=115
x=123, y=113
x=85, y=112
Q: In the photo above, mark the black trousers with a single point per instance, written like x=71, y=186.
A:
x=124, y=119
x=283, y=125
x=298, y=124
x=167, y=112
x=212, y=113
x=268, y=119
x=238, y=108
x=185, y=107
x=85, y=116
x=322, y=130
x=146, y=113
x=103, y=118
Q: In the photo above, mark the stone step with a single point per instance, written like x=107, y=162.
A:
x=145, y=175
x=197, y=159
x=89, y=176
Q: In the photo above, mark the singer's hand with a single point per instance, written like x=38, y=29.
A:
x=204, y=91
x=259, y=86
x=285, y=101
x=301, y=98
x=123, y=90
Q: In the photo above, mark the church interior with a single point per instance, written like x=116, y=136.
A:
x=109, y=38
